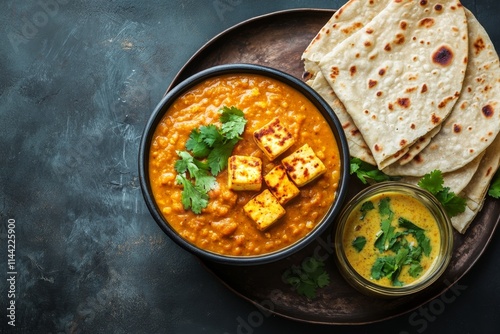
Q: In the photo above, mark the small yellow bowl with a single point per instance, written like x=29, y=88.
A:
x=393, y=258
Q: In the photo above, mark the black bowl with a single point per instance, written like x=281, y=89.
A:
x=293, y=82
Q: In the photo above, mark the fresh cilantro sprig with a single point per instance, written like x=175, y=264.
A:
x=367, y=173
x=217, y=143
x=207, y=152
x=494, y=190
x=434, y=183
x=307, y=277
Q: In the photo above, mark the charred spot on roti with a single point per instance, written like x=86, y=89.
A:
x=423, y=2
x=403, y=143
x=400, y=39
x=366, y=112
x=369, y=31
x=368, y=44
x=418, y=158
x=372, y=83
x=445, y=101
x=488, y=111
x=387, y=47
x=426, y=22
x=354, y=132
x=411, y=89
x=379, y=93
x=438, y=7
x=349, y=30
x=435, y=119
x=377, y=147
x=403, y=25
x=488, y=172
x=413, y=126
x=443, y=56
x=424, y=88
x=334, y=72
x=457, y=128
x=390, y=106
x=381, y=71
x=346, y=125
x=479, y=45
x=403, y=102
x=352, y=70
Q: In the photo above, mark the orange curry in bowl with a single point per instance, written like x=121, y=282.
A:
x=223, y=226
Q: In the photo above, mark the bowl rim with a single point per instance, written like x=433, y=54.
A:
x=219, y=70
x=446, y=246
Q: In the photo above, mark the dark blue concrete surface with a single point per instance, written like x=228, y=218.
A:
x=78, y=80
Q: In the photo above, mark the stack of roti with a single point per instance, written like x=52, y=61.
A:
x=416, y=86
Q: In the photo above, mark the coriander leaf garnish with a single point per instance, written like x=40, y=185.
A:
x=193, y=197
x=386, y=215
x=415, y=269
x=433, y=182
x=208, y=150
x=197, y=170
x=307, y=278
x=359, y=243
x=366, y=172
x=196, y=144
x=211, y=135
x=403, y=222
x=494, y=190
x=233, y=122
x=217, y=159
x=365, y=207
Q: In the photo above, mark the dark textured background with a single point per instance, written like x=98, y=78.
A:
x=78, y=81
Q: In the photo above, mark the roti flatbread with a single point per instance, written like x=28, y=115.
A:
x=400, y=75
x=476, y=190
x=357, y=145
x=351, y=17
x=475, y=119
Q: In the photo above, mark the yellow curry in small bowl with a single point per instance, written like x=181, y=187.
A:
x=393, y=239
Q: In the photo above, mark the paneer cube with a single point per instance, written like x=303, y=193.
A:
x=273, y=138
x=244, y=173
x=303, y=166
x=280, y=185
x=264, y=209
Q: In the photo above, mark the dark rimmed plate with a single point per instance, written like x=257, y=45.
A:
x=278, y=40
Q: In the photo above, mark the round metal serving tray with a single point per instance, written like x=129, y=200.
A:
x=278, y=40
